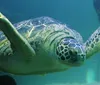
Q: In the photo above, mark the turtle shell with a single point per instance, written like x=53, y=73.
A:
x=27, y=27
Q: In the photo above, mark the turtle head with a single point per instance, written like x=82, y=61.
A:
x=69, y=51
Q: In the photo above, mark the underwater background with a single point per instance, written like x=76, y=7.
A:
x=79, y=15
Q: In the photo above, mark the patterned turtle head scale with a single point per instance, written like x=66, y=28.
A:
x=71, y=52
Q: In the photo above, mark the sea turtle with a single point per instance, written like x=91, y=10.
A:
x=42, y=45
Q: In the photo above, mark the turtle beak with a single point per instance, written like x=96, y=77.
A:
x=76, y=60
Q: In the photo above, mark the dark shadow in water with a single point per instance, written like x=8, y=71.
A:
x=7, y=80
x=96, y=4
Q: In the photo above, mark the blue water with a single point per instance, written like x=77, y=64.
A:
x=79, y=14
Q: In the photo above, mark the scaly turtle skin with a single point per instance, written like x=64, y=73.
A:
x=42, y=45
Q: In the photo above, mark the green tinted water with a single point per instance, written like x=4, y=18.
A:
x=79, y=15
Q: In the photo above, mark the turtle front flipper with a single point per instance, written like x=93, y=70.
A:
x=17, y=41
x=92, y=45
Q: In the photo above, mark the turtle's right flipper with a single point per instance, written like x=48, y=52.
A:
x=92, y=45
x=16, y=39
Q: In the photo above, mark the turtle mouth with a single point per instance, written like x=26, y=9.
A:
x=76, y=60
x=73, y=64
